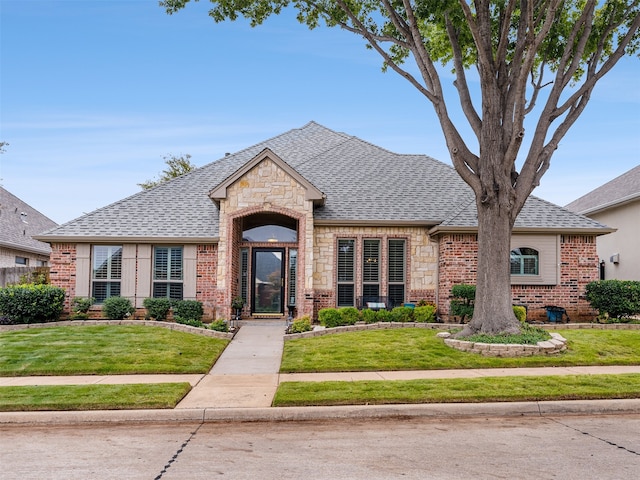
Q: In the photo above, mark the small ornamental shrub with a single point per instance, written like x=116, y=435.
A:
x=117, y=308
x=384, y=315
x=330, y=317
x=402, y=314
x=6, y=320
x=188, y=310
x=300, y=325
x=461, y=304
x=219, y=326
x=157, y=308
x=425, y=314
x=80, y=307
x=614, y=298
x=520, y=312
x=369, y=316
x=32, y=303
x=350, y=315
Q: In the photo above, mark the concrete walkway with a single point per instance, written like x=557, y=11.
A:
x=246, y=374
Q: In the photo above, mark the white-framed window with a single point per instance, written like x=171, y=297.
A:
x=346, y=294
x=525, y=261
x=106, y=271
x=24, y=261
x=396, y=276
x=371, y=269
x=168, y=272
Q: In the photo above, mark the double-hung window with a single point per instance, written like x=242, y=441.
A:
x=396, y=271
x=106, y=272
x=524, y=261
x=168, y=272
x=370, y=270
x=346, y=272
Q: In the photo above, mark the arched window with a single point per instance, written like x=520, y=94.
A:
x=524, y=261
x=269, y=227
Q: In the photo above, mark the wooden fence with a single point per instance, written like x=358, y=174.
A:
x=11, y=275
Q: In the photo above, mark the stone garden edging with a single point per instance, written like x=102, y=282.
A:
x=556, y=344
x=149, y=323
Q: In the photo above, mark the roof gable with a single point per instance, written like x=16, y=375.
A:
x=311, y=192
x=350, y=181
x=622, y=189
x=19, y=222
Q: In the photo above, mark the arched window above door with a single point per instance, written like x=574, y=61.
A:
x=269, y=227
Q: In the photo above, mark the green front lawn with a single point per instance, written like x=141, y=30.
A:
x=420, y=349
x=92, y=397
x=487, y=389
x=103, y=350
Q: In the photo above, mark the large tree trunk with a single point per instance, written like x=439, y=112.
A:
x=493, y=312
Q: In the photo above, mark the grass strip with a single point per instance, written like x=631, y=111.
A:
x=486, y=389
x=103, y=350
x=420, y=349
x=92, y=397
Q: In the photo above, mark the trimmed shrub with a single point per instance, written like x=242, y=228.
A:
x=188, y=310
x=520, y=313
x=350, y=315
x=80, y=307
x=369, y=316
x=461, y=304
x=615, y=298
x=425, y=314
x=157, y=308
x=6, y=320
x=219, y=326
x=300, y=325
x=384, y=316
x=117, y=308
x=32, y=303
x=402, y=314
x=330, y=317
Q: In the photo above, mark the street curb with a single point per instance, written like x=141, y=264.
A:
x=297, y=414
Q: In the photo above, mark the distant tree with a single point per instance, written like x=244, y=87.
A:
x=176, y=166
x=535, y=59
x=2, y=145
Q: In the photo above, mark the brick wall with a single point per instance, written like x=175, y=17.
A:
x=206, y=285
x=578, y=266
x=63, y=269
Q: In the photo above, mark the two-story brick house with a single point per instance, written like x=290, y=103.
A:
x=315, y=218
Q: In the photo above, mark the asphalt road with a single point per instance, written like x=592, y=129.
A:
x=569, y=447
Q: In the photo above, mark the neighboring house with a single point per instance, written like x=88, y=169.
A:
x=617, y=204
x=310, y=219
x=18, y=224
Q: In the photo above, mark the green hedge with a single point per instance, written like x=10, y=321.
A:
x=187, y=310
x=615, y=298
x=117, y=308
x=157, y=308
x=425, y=314
x=32, y=303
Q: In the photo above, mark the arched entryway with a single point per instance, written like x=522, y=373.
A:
x=267, y=269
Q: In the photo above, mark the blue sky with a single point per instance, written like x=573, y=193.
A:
x=93, y=94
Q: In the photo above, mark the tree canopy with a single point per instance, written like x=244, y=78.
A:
x=532, y=58
x=176, y=166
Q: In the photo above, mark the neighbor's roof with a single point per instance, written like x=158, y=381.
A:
x=620, y=190
x=19, y=222
x=362, y=184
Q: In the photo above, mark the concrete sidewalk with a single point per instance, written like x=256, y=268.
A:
x=243, y=382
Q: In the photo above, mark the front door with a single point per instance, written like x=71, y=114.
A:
x=268, y=281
